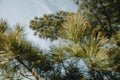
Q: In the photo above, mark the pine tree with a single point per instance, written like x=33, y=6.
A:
x=86, y=35
x=83, y=43
x=104, y=13
x=48, y=25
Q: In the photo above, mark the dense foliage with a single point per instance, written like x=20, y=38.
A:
x=18, y=57
x=48, y=25
x=103, y=13
x=90, y=49
x=85, y=44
